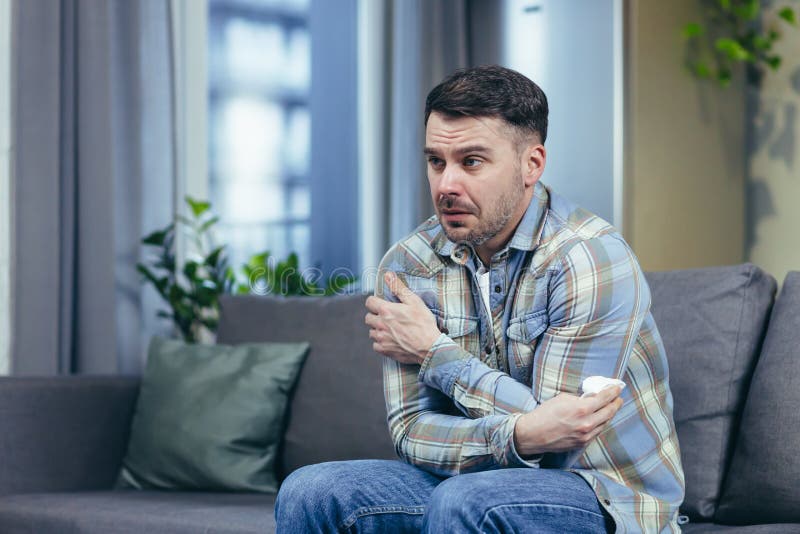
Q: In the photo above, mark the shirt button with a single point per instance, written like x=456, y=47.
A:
x=498, y=289
x=444, y=330
x=607, y=501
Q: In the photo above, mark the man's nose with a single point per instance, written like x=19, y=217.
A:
x=450, y=182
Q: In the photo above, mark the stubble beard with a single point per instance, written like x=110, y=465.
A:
x=494, y=221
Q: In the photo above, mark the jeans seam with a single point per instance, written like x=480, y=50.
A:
x=536, y=505
x=383, y=509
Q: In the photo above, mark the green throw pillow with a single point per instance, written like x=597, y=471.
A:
x=210, y=417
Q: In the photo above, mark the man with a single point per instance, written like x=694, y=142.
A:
x=491, y=315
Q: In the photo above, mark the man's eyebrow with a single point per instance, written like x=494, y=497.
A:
x=470, y=149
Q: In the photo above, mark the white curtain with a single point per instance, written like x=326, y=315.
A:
x=93, y=172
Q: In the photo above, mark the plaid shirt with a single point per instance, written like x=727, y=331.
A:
x=568, y=301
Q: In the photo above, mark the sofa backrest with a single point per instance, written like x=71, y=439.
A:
x=337, y=410
x=762, y=483
x=712, y=322
x=64, y=433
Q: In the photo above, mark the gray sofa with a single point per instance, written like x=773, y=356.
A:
x=735, y=377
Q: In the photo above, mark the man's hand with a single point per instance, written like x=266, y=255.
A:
x=404, y=331
x=565, y=422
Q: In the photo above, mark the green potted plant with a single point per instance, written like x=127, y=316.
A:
x=192, y=291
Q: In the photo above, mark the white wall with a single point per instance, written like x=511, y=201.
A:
x=5, y=183
x=573, y=50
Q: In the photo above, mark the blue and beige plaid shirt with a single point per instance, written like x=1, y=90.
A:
x=568, y=301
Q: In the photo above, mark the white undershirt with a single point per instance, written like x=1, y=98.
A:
x=483, y=283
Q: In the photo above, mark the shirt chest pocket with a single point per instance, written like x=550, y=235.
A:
x=462, y=330
x=523, y=336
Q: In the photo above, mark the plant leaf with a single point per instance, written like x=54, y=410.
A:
x=208, y=224
x=725, y=4
x=774, y=62
x=762, y=43
x=259, y=260
x=214, y=256
x=190, y=270
x=198, y=207
x=206, y=296
x=158, y=237
x=748, y=10
x=733, y=49
x=159, y=283
x=693, y=29
x=787, y=14
x=724, y=77
x=701, y=70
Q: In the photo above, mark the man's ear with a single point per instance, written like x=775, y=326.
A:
x=534, y=158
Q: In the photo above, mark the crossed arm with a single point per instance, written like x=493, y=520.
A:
x=595, y=311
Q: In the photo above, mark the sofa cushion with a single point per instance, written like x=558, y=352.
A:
x=210, y=417
x=133, y=512
x=712, y=322
x=337, y=410
x=762, y=484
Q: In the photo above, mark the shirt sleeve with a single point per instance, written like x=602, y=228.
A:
x=476, y=389
x=599, y=299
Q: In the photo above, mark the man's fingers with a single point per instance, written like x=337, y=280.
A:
x=375, y=304
x=606, y=413
x=372, y=320
x=594, y=433
x=399, y=289
x=603, y=397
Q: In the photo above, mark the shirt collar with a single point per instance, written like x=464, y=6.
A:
x=526, y=236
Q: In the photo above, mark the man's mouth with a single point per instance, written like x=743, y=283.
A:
x=456, y=217
x=455, y=212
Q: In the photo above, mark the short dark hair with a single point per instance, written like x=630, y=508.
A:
x=492, y=91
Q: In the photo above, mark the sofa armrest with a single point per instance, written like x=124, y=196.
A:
x=63, y=433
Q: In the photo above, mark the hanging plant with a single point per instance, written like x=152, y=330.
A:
x=732, y=34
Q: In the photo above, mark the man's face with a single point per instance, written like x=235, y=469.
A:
x=474, y=171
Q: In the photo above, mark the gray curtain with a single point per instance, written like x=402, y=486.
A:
x=92, y=145
x=426, y=41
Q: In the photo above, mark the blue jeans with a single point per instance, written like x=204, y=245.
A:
x=393, y=496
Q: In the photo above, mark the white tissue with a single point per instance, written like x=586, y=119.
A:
x=594, y=384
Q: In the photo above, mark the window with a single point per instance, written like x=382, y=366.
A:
x=260, y=125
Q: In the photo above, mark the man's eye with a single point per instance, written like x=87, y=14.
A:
x=472, y=162
x=435, y=162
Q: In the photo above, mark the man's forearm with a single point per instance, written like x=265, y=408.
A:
x=426, y=435
x=476, y=389
x=449, y=445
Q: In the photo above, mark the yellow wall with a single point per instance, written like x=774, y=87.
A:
x=774, y=185
x=685, y=165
